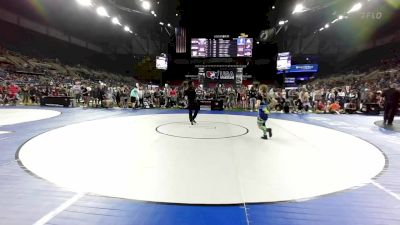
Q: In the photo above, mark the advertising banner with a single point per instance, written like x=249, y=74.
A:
x=301, y=68
x=220, y=74
x=304, y=68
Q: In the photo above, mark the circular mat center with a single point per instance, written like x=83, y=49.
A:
x=202, y=130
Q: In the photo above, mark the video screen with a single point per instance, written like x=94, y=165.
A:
x=199, y=46
x=161, y=63
x=284, y=61
x=244, y=47
x=220, y=48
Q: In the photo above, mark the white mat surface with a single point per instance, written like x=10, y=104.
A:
x=15, y=116
x=126, y=157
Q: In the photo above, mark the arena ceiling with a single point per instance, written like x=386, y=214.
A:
x=252, y=16
x=207, y=17
x=201, y=17
x=375, y=18
x=83, y=22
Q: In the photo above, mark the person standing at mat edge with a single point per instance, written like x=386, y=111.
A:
x=391, y=103
x=193, y=106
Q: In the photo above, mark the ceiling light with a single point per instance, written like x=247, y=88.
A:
x=355, y=8
x=115, y=20
x=283, y=22
x=299, y=9
x=102, y=11
x=146, y=5
x=85, y=2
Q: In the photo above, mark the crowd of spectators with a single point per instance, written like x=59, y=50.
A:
x=27, y=80
x=24, y=79
x=346, y=95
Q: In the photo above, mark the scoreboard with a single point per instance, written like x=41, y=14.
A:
x=221, y=47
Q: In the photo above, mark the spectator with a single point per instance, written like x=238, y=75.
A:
x=13, y=91
x=124, y=97
x=321, y=107
x=33, y=93
x=334, y=108
x=253, y=98
x=173, y=97
x=25, y=94
x=156, y=98
x=134, y=97
x=85, y=94
x=231, y=98
x=77, y=90
x=350, y=107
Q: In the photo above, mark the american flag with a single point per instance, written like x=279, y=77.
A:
x=180, y=34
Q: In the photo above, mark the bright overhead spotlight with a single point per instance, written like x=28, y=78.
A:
x=169, y=25
x=127, y=29
x=327, y=26
x=85, y=2
x=176, y=14
x=161, y=23
x=355, y=8
x=115, y=21
x=102, y=11
x=283, y=22
x=299, y=9
x=273, y=7
x=322, y=29
x=340, y=17
x=155, y=15
x=152, y=12
x=146, y=5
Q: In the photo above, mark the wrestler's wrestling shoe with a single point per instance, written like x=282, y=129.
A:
x=265, y=137
x=269, y=130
